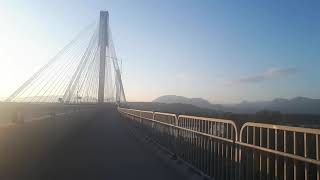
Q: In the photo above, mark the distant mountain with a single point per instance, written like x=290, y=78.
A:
x=298, y=105
x=199, y=102
x=301, y=105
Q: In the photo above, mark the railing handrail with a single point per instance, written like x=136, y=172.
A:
x=280, y=127
x=168, y=114
x=284, y=152
x=213, y=120
x=146, y=111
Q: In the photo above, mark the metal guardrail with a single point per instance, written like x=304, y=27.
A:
x=165, y=118
x=204, y=143
x=208, y=144
x=279, y=151
x=214, y=147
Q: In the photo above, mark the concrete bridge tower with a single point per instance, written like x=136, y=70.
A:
x=103, y=46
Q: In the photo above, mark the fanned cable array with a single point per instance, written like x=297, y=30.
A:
x=72, y=76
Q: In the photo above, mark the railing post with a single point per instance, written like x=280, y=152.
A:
x=18, y=117
x=54, y=124
x=53, y=116
x=175, y=132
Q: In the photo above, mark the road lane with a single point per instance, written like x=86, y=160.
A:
x=103, y=149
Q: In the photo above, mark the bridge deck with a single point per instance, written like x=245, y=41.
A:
x=104, y=149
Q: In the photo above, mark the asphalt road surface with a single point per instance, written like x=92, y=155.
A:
x=104, y=149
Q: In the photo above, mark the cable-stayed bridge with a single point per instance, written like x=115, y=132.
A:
x=68, y=121
x=84, y=71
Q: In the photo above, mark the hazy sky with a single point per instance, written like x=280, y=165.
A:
x=224, y=51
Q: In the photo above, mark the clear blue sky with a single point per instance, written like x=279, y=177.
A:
x=224, y=51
